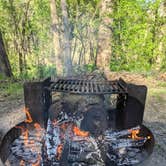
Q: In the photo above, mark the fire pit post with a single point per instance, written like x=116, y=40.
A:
x=135, y=105
x=130, y=107
x=37, y=100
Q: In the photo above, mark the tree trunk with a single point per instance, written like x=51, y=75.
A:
x=66, y=40
x=17, y=35
x=56, y=39
x=104, y=36
x=5, y=67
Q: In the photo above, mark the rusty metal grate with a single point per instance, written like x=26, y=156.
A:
x=88, y=87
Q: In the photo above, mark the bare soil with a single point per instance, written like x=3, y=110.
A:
x=11, y=113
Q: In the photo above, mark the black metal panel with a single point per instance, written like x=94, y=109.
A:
x=37, y=100
x=134, y=110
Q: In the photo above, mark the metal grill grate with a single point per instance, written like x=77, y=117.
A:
x=87, y=87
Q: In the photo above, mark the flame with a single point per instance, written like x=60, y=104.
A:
x=37, y=162
x=37, y=126
x=59, y=151
x=64, y=126
x=20, y=127
x=54, y=122
x=134, y=134
x=78, y=132
x=28, y=115
x=22, y=163
x=24, y=133
x=38, y=129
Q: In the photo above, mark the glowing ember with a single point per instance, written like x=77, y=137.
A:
x=29, y=118
x=24, y=133
x=64, y=126
x=59, y=151
x=134, y=134
x=37, y=163
x=78, y=132
x=22, y=163
x=38, y=130
x=37, y=126
x=54, y=122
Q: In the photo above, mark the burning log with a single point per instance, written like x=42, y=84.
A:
x=113, y=135
x=127, y=161
x=65, y=143
x=52, y=140
x=124, y=143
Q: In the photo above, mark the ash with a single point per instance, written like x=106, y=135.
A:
x=63, y=143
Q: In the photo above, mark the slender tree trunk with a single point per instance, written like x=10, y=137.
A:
x=104, y=36
x=66, y=40
x=56, y=39
x=5, y=67
x=154, y=35
x=17, y=35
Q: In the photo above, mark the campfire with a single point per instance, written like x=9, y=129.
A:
x=80, y=130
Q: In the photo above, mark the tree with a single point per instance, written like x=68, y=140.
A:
x=56, y=38
x=5, y=67
x=104, y=36
x=66, y=45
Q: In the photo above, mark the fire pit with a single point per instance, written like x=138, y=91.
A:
x=78, y=122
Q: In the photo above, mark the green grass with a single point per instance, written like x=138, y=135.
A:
x=159, y=93
x=11, y=89
x=161, y=84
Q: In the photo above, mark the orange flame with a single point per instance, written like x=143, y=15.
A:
x=38, y=130
x=37, y=126
x=64, y=126
x=28, y=115
x=25, y=134
x=59, y=151
x=37, y=162
x=22, y=163
x=134, y=134
x=54, y=122
x=78, y=132
x=20, y=127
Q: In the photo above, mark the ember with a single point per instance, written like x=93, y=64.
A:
x=59, y=151
x=78, y=132
x=134, y=134
x=29, y=118
x=80, y=150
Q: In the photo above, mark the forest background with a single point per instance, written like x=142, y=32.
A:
x=39, y=38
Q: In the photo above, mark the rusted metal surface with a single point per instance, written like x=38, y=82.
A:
x=90, y=87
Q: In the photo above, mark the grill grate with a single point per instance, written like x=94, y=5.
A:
x=88, y=87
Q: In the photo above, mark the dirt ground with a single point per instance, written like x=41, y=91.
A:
x=154, y=118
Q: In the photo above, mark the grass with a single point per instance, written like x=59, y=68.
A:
x=159, y=93
x=161, y=84
x=11, y=89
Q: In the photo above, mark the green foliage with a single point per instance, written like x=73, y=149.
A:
x=11, y=89
x=46, y=71
x=26, y=30
x=90, y=67
x=138, y=35
x=135, y=35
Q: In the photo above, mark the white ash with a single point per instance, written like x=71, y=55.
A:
x=82, y=150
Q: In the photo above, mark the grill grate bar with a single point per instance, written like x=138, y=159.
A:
x=87, y=87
